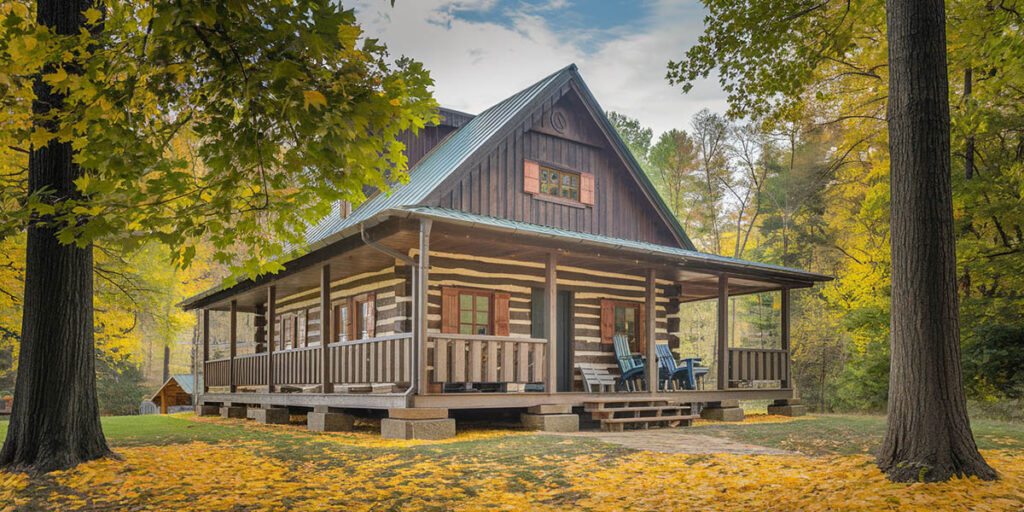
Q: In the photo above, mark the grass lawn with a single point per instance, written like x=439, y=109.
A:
x=185, y=463
x=849, y=434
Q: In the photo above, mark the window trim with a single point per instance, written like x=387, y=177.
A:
x=575, y=203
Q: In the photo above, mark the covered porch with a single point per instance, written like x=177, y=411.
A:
x=543, y=300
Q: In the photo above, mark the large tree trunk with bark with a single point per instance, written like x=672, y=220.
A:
x=55, y=423
x=928, y=435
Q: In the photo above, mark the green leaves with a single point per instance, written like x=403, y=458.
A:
x=226, y=123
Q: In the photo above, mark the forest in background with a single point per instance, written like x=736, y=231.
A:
x=805, y=185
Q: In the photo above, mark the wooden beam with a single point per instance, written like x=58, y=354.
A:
x=551, y=320
x=723, y=331
x=233, y=340
x=651, y=330
x=271, y=312
x=419, y=321
x=326, y=329
x=206, y=347
x=784, y=336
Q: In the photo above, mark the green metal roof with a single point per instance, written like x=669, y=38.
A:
x=440, y=163
x=446, y=214
x=448, y=156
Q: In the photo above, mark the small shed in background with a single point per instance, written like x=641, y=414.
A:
x=176, y=391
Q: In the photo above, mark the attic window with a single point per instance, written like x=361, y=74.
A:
x=563, y=184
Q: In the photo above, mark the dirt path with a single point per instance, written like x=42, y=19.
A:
x=677, y=440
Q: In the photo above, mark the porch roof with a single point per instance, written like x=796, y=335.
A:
x=693, y=261
x=502, y=224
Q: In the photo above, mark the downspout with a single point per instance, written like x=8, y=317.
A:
x=414, y=377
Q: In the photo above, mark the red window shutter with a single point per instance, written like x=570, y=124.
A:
x=371, y=315
x=501, y=315
x=586, y=188
x=607, y=321
x=531, y=177
x=449, y=310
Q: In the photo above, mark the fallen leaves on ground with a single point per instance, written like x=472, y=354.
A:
x=753, y=419
x=245, y=475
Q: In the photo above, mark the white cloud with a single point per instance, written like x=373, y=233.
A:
x=476, y=64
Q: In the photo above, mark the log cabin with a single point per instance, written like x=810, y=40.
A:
x=498, y=277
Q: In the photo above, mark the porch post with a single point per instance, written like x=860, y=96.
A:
x=650, y=332
x=326, y=331
x=233, y=340
x=271, y=325
x=419, y=306
x=784, y=336
x=551, y=320
x=723, y=331
x=206, y=347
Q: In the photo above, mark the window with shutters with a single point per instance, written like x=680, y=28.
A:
x=626, y=318
x=547, y=182
x=468, y=311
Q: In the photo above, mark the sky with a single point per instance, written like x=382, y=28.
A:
x=481, y=51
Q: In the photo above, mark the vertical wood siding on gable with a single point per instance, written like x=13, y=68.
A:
x=493, y=183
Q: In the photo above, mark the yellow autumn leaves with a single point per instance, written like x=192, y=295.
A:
x=454, y=475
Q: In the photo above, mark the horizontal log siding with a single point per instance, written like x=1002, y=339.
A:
x=392, y=301
x=518, y=278
x=492, y=182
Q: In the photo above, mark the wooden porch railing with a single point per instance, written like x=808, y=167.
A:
x=251, y=370
x=216, y=372
x=750, y=364
x=492, y=359
x=297, y=367
x=385, y=359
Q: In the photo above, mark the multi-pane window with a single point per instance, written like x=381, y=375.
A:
x=625, y=323
x=625, y=318
x=474, y=312
x=354, y=318
x=364, y=318
x=341, y=321
x=562, y=184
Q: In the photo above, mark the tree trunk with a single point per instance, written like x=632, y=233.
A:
x=55, y=423
x=928, y=435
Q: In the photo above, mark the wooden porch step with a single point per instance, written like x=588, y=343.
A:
x=614, y=414
x=652, y=419
x=630, y=409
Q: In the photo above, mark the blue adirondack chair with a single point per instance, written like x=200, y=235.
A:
x=631, y=366
x=686, y=374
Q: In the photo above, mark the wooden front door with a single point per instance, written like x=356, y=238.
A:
x=564, y=341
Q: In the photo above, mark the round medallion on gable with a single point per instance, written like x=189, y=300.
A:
x=558, y=121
